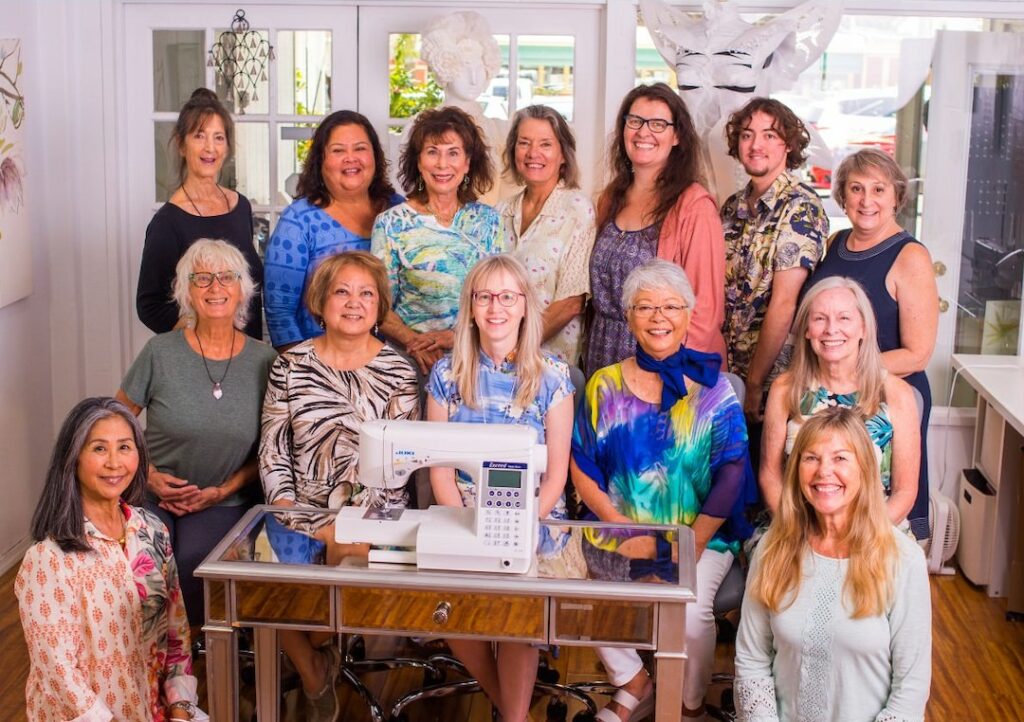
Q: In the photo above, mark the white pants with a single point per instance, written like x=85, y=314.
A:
x=622, y=664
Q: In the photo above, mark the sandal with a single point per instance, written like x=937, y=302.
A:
x=324, y=706
x=637, y=708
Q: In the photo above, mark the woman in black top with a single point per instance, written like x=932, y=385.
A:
x=199, y=208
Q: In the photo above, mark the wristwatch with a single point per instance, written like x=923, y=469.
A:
x=185, y=706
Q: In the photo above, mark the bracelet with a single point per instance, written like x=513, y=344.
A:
x=185, y=706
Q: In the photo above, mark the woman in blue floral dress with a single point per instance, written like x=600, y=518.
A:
x=497, y=374
x=836, y=362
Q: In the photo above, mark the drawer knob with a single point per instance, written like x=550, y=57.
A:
x=440, y=616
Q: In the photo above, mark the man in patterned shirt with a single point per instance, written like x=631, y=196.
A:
x=775, y=228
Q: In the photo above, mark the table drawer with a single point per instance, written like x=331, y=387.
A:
x=587, y=621
x=274, y=603
x=444, y=613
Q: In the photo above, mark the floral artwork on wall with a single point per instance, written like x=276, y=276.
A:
x=15, y=249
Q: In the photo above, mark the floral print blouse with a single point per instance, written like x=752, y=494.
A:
x=107, y=634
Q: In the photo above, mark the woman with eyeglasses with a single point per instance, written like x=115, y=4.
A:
x=655, y=206
x=497, y=374
x=660, y=438
x=203, y=139
x=202, y=387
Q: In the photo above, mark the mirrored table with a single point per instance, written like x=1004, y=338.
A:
x=592, y=584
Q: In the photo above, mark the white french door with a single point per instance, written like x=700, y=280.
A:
x=166, y=58
x=974, y=196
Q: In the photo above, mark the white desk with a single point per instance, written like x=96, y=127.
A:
x=998, y=438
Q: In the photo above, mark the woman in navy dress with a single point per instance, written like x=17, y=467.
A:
x=896, y=272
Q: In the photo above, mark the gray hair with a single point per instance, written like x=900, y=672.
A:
x=569, y=173
x=216, y=255
x=59, y=515
x=657, y=273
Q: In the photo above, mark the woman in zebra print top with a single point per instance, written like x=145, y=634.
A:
x=319, y=393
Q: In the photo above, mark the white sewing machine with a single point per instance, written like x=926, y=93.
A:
x=499, y=534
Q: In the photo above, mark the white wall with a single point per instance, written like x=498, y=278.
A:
x=64, y=342
x=25, y=401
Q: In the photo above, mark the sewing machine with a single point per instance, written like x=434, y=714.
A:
x=499, y=534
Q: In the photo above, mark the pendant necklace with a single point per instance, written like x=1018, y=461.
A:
x=227, y=204
x=217, y=390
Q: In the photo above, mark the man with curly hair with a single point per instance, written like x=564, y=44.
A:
x=775, y=228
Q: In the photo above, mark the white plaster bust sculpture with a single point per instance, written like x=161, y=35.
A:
x=722, y=61
x=464, y=57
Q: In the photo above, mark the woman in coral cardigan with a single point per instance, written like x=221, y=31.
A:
x=655, y=206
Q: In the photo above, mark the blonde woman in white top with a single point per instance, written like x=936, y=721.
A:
x=550, y=224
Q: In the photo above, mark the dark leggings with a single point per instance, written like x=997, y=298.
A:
x=193, y=536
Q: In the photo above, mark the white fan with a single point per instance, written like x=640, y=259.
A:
x=944, y=532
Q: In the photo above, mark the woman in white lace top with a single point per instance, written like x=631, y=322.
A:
x=836, y=622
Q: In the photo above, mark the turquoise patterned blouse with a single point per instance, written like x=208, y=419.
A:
x=427, y=263
x=879, y=426
x=657, y=467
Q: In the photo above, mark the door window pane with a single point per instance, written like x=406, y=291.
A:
x=179, y=67
x=412, y=87
x=294, y=142
x=245, y=60
x=303, y=72
x=545, y=72
x=992, y=260
x=248, y=171
x=166, y=161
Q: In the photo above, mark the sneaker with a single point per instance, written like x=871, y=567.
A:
x=324, y=706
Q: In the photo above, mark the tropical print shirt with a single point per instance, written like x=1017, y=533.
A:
x=787, y=230
x=106, y=630
x=427, y=263
x=879, y=426
x=657, y=467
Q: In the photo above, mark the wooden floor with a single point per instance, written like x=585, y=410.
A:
x=978, y=659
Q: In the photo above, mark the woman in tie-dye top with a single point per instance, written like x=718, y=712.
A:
x=660, y=438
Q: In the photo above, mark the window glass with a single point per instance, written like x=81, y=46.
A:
x=166, y=161
x=545, y=72
x=248, y=171
x=179, y=67
x=303, y=59
x=247, y=54
x=294, y=141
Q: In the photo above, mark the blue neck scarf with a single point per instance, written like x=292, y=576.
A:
x=699, y=366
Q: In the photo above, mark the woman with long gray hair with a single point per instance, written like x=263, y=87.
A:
x=98, y=593
x=203, y=389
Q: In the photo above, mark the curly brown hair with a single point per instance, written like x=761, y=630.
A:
x=432, y=126
x=682, y=169
x=311, y=184
x=784, y=122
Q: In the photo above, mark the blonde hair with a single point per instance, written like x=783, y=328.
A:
x=466, y=352
x=805, y=370
x=869, y=538
x=213, y=254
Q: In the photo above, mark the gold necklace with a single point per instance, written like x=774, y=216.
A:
x=445, y=220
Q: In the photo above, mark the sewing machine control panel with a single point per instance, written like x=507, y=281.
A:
x=504, y=506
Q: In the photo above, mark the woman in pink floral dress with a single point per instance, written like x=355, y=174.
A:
x=100, y=603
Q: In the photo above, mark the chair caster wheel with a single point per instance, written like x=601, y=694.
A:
x=557, y=711
x=357, y=649
x=549, y=675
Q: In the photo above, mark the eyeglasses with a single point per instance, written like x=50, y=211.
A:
x=657, y=125
x=669, y=310
x=505, y=298
x=204, y=280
